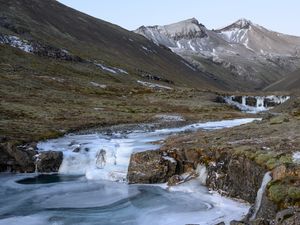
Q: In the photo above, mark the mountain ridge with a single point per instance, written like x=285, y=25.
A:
x=242, y=54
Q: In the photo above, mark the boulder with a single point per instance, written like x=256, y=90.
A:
x=49, y=161
x=17, y=158
x=288, y=217
x=150, y=167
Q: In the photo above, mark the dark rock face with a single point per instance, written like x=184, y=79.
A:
x=236, y=175
x=150, y=167
x=238, y=99
x=53, y=52
x=220, y=99
x=49, y=161
x=17, y=158
x=251, y=101
x=269, y=103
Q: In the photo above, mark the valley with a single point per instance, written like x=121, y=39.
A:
x=102, y=125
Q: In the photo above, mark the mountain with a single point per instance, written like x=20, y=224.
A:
x=61, y=70
x=48, y=28
x=242, y=55
x=291, y=82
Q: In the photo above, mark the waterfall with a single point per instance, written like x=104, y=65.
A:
x=260, y=105
x=36, y=162
x=267, y=178
x=202, y=173
x=244, y=100
x=260, y=102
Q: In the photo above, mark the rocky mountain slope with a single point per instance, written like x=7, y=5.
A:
x=242, y=56
x=50, y=29
x=62, y=70
x=290, y=82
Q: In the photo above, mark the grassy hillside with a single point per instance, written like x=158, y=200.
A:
x=44, y=94
x=94, y=40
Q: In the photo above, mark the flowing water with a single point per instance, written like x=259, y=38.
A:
x=266, y=179
x=91, y=188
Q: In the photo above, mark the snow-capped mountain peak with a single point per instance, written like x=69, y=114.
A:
x=173, y=35
x=243, y=23
x=239, y=24
x=245, y=49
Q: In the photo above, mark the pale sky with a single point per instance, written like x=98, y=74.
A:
x=277, y=15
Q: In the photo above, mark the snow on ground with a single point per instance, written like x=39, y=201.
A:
x=188, y=65
x=113, y=70
x=16, y=42
x=98, y=85
x=170, y=117
x=191, y=46
x=296, y=157
x=153, y=85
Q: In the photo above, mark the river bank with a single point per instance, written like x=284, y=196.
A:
x=237, y=160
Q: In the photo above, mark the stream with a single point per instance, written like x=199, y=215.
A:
x=86, y=192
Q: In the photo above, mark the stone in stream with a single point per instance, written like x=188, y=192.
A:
x=49, y=161
x=150, y=167
x=17, y=158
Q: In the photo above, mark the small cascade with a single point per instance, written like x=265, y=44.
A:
x=254, y=104
x=267, y=178
x=244, y=100
x=202, y=173
x=107, y=157
x=260, y=102
x=37, y=159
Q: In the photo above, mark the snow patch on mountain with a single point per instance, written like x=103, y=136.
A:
x=16, y=42
x=109, y=69
x=153, y=85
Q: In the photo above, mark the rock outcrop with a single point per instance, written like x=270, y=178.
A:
x=50, y=161
x=150, y=167
x=24, y=158
x=17, y=158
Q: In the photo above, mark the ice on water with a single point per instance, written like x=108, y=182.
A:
x=81, y=152
x=93, y=198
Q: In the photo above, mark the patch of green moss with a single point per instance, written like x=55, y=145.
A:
x=294, y=193
x=286, y=159
x=272, y=163
x=277, y=192
x=262, y=159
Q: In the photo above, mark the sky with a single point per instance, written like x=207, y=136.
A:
x=277, y=15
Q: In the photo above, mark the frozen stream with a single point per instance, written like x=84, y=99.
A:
x=86, y=193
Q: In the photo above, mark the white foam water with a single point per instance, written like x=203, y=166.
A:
x=93, y=198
